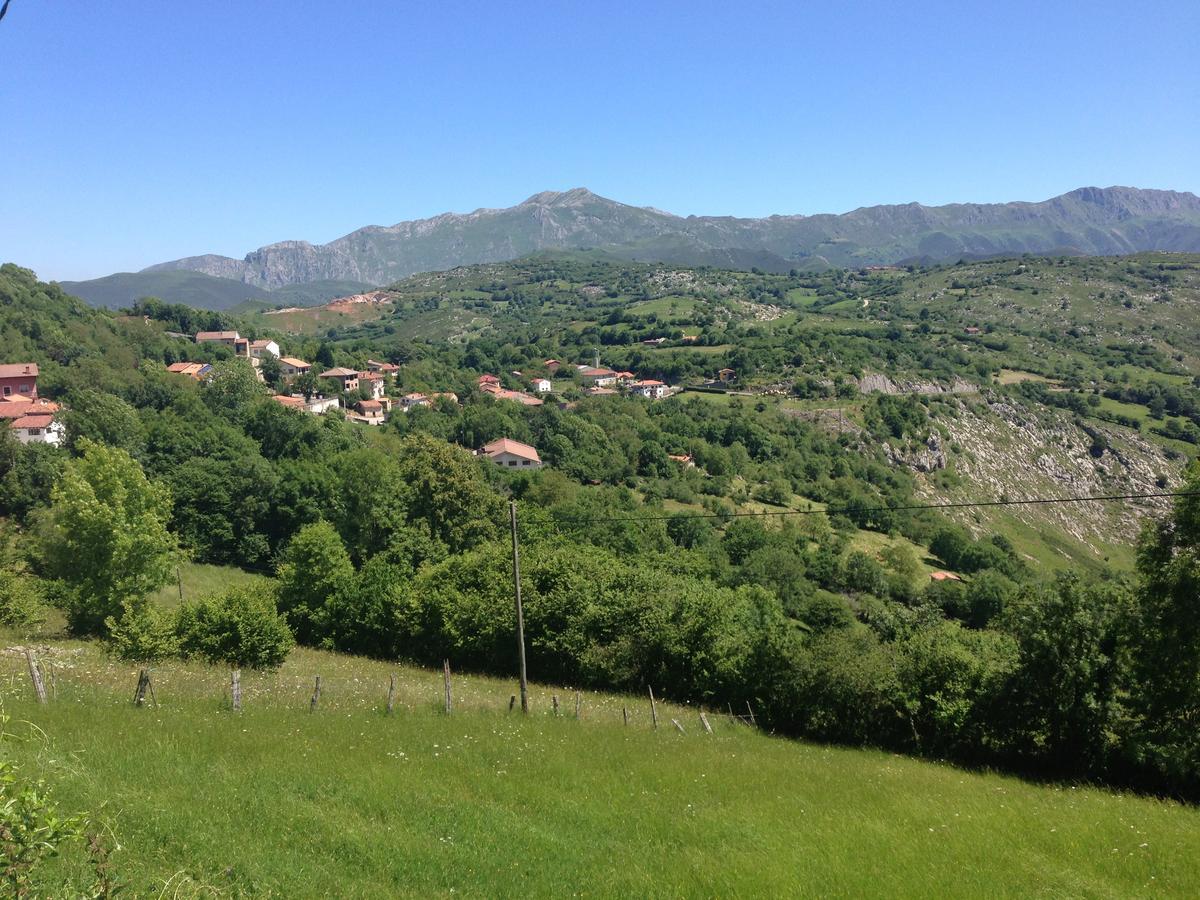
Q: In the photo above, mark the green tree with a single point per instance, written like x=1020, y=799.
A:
x=372, y=500
x=689, y=530
x=314, y=570
x=103, y=418
x=241, y=628
x=1166, y=640
x=306, y=383
x=448, y=492
x=106, y=535
x=1059, y=702
x=272, y=373
x=232, y=385
x=28, y=476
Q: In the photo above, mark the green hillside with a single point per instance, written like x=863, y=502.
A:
x=191, y=288
x=203, y=291
x=278, y=801
x=779, y=539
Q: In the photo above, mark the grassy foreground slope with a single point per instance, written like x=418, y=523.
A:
x=347, y=801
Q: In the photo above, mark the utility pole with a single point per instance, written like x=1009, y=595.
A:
x=512, y=515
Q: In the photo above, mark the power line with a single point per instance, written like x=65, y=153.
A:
x=870, y=509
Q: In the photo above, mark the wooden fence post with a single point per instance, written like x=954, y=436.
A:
x=35, y=675
x=235, y=690
x=143, y=682
x=316, y=697
x=391, y=701
x=704, y=722
x=512, y=701
x=578, y=703
x=653, y=710
x=625, y=715
x=554, y=702
x=446, y=680
x=675, y=722
x=750, y=710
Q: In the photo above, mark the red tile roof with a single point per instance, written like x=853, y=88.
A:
x=944, y=576
x=217, y=336
x=508, y=445
x=194, y=369
x=27, y=408
x=16, y=370
x=33, y=422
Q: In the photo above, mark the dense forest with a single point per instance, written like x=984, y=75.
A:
x=723, y=547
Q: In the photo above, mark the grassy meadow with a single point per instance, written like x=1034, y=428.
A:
x=277, y=801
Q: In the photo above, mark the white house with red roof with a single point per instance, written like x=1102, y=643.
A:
x=413, y=400
x=316, y=404
x=650, y=389
x=510, y=454
x=374, y=381
x=38, y=428
x=541, y=386
x=263, y=348
x=594, y=377
x=290, y=366
x=31, y=420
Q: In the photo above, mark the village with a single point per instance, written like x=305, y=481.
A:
x=362, y=396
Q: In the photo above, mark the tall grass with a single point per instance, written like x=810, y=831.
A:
x=350, y=802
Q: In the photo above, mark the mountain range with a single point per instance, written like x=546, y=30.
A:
x=1091, y=221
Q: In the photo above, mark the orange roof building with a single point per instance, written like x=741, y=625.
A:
x=511, y=454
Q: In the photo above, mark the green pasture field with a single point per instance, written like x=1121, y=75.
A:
x=279, y=802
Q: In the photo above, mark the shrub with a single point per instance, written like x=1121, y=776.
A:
x=21, y=604
x=241, y=628
x=142, y=634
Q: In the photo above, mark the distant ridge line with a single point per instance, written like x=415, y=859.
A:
x=1088, y=221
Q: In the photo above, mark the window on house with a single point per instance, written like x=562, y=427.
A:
x=524, y=462
x=7, y=390
x=34, y=431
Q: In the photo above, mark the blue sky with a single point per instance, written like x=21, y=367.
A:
x=136, y=131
